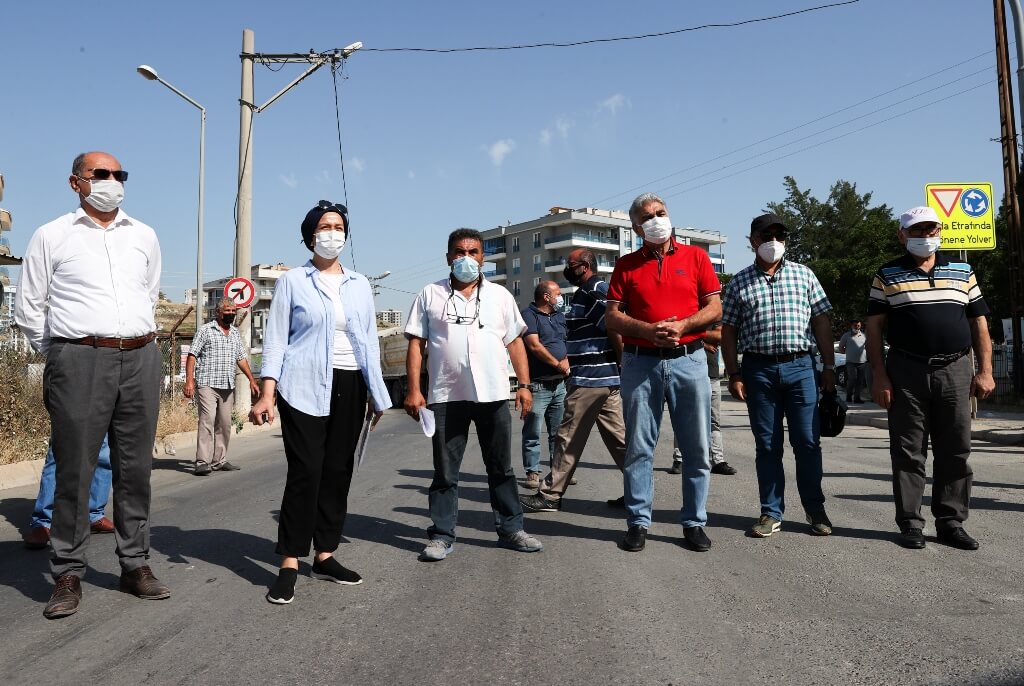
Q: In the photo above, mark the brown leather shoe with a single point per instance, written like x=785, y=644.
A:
x=67, y=594
x=102, y=526
x=37, y=538
x=141, y=583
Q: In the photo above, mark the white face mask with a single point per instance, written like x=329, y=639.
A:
x=106, y=195
x=923, y=247
x=657, y=230
x=771, y=251
x=328, y=244
x=559, y=303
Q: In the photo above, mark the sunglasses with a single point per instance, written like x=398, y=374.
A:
x=104, y=174
x=778, y=234
x=333, y=207
x=923, y=230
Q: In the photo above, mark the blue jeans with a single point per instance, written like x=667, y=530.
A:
x=647, y=383
x=548, y=407
x=775, y=389
x=99, y=491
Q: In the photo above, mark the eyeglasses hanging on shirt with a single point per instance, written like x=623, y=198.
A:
x=451, y=311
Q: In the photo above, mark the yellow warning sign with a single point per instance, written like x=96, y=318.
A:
x=968, y=221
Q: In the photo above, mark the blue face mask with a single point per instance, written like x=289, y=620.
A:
x=466, y=269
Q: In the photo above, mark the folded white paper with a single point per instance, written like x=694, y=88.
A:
x=427, y=421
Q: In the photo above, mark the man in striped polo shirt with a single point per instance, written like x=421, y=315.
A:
x=934, y=313
x=593, y=387
x=770, y=312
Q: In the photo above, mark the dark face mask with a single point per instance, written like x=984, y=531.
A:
x=228, y=318
x=571, y=275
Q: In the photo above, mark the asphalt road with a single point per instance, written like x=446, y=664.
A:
x=853, y=608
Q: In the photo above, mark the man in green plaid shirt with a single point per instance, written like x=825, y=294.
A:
x=770, y=312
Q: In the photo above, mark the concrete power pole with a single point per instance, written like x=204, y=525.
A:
x=243, y=231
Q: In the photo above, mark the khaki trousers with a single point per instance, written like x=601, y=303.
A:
x=585, y=407
x=214, y=405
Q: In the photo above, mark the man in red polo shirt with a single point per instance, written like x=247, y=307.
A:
x=661, y=300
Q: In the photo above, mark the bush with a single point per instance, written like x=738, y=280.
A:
x=25, y=424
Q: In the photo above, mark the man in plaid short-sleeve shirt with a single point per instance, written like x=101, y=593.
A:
x=210, y=376
x=770, y=312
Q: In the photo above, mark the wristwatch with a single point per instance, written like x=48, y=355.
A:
x=828, y=366
x=520, y=385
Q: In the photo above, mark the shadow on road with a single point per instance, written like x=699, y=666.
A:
x=174, y=464
x=236, y=552
x=17, y=511
x=977, y=503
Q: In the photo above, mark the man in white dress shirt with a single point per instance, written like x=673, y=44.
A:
x=465, y=325
x=89, y=283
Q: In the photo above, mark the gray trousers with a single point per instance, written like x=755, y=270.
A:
x=934, y=404
x=91, y=392
x=215, y=406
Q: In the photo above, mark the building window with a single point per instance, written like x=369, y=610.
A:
x=515, y=244
x=536, y=263
x=536, y=281
x=515, y=288
x=627, y=242
x=536, y=239
x=516, y=268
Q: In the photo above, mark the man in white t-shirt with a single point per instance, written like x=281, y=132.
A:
x=854, y=345
x=465, y=325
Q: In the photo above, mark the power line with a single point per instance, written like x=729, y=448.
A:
x=825, y=130
x=830, y=140
x=592, y=41
x=799, y=126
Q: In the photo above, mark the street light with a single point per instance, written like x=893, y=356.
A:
x=149, y=73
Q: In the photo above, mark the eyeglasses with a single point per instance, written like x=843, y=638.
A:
x=922, y=230
x=104, y=174
x=778, y=235
x=452, y=316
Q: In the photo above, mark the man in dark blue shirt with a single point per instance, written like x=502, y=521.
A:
x=549, y=365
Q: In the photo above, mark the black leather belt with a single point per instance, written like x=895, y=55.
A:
x=666, y=353
x=932, y=360
x=549, y=384
x=103, y=342
x=785, y=357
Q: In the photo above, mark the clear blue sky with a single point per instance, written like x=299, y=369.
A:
x=438, y=141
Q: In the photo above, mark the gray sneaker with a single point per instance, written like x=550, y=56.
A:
x=521, y=542
x=436, y=550
x=765, y=527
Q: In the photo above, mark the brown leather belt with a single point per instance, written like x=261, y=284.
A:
x=666, y=353
x=119, y=343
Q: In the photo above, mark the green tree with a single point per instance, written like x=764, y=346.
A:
x=842, y=239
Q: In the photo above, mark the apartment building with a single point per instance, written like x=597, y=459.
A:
x=527, y=253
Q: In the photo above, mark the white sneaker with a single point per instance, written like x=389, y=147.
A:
x=436, y=550
x=521, y=542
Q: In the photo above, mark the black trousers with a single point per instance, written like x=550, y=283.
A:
x=320, y=453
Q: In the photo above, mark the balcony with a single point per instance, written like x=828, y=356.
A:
x=497, y=275
x=494, y=252
x=580, y=239
x=603, y=266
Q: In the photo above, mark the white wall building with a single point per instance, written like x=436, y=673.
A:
x=527, y=253
x=390, y=318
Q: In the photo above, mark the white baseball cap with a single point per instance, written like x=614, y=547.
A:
x=916, y=215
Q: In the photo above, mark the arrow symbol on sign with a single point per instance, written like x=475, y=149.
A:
x=947, y=197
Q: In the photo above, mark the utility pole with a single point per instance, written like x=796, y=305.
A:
x=243, y=229
x=1011, y=199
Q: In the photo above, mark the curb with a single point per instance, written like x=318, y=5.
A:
x=996, y=435
x=27, y=473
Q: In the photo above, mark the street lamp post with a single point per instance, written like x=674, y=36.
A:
x=150, y=74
